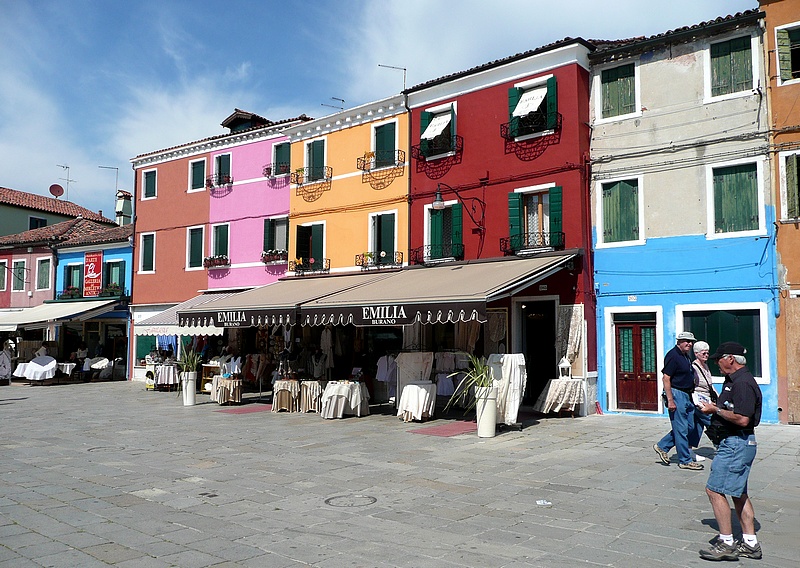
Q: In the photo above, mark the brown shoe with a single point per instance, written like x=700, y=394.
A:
x=691, y=465
x=662, y=455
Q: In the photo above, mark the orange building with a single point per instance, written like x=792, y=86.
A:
x=783, y=65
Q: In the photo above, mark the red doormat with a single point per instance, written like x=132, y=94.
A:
x=246, y=409
x=452, y=428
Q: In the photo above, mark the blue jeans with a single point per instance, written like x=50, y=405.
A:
x=700, y=422
x=682, y=419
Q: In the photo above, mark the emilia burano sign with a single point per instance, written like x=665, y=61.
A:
x=383, y=315
x=232, y=319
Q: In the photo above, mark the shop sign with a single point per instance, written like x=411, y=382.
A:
x=383, y=315
x=231, y=319
x=92, y=273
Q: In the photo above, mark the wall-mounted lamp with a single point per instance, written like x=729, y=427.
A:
x=476, y=206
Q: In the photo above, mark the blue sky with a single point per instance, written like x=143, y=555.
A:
x=89, y=83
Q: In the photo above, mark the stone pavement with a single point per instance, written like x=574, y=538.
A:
x=108, y=474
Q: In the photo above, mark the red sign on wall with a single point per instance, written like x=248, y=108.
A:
x=92, y=273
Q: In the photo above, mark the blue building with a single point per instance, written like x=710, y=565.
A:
x=683, y=215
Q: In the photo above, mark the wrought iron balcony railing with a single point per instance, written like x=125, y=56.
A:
x=219, y=180
x=277, y=169
x=303, y=176
x=383, y=159
x=304, y=265
x=532, y=123
x=438, y=146
x=383, y=259
x=433, y=253
x=532, y=242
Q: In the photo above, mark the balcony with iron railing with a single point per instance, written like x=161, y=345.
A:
x=378, y=260
x=532, y=242
x=302, y=266
x=277, y=169
x=428, y=254
x=381, y=159
x=439, y=146
x=219, y=180
x=309, y=175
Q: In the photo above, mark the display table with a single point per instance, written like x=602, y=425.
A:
x=286, y=396
x=38, y=369
x=344, y=397
x=560, y=394
x=417, y=401
x=166, y=375
x=225, y=390
x=67, y=368
x=311, y=396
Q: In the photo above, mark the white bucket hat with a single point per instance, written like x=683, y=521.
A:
x=686, y=336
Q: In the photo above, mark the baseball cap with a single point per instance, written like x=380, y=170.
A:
x=686, y=336
x=728, y=348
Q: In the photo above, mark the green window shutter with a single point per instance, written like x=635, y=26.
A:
x=627, y=88
x=552, y=103
x=784, y=54
x=452, y=127
x=150, y=184
x=283, y=158
x=514, y=94
x=792, y=188
x=195, y=247
x=386, y=237
x=456, y=216
x=608, y=82
x=106, y=273
x=224, y=165
x=720, y=68
x=516, y=220
x=198, y=175
x=317, y=237
x=3, y=269
x=316, y=160
x=620, y=211
x=424, y=120
x=736, y=198
x=384, y=145
x=221, y=239
x=269, y=234
x=303, y=243
x=741, y=65
x=118, y=274
x=437, y=220
x=148, y=246
x=555, y=216
x=43, y=274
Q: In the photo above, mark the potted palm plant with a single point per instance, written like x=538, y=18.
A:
x=188, y=364
x=478, y=380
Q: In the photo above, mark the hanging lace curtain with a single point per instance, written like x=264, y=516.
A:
x=569, y=331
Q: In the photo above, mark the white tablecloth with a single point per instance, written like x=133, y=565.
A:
x=225, y=390
x=38, y=369
x=66, y=368
x=166, y=375
x=417, y=401
x=286, y=396
x=342, y=398
x=560, y=394
x=311, y=395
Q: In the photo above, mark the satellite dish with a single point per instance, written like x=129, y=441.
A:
x=56, y=190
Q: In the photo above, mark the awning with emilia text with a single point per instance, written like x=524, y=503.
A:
x=166, y=322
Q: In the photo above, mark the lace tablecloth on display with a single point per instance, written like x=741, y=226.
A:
x=560, y=394
x=286, y=396
x=342, y=398
x=418, y=401
x=311, y=396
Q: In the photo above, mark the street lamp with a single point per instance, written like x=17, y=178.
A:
x=476, y=206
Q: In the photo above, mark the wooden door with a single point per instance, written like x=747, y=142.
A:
x=637, y=379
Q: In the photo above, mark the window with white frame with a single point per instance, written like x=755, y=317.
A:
x=149, y=184
x=276, y=234
x=735, y=202
x=281, y=159
x=195, y=241
x=315, y=160
x=382, y=237
x=717, y=324
x=18, y=276
x=114, y=273
x=222, y=169
x=534, y=217
x=36, y=222
x=43, y=273
x=219, y=239
x=445, y=238
x=73, y=277
x=197, y=175
x=384, y=145
x=790, y=185
x=533, y=107
x=620, y=212
x=438, y=131
x=731, y=66
x=787, y=41
x=618, y=91
x=147, y=252
x=3, y=276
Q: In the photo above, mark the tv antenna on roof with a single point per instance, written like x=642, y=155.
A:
x=66, y=179
x=340, y=107
x=403, y=69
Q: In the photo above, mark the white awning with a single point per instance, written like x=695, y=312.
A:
x=40, y=316
x=436, y=126
x=166, y=322
x=530, y=101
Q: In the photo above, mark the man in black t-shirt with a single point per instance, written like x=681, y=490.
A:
x=736, y=413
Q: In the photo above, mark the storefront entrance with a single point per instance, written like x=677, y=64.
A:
x=539, y=346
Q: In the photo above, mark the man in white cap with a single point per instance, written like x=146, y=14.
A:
x=678, y=379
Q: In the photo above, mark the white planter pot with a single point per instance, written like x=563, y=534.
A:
x=189, y=388
x=486, y=410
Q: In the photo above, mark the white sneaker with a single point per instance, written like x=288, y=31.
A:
x=699, y=458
